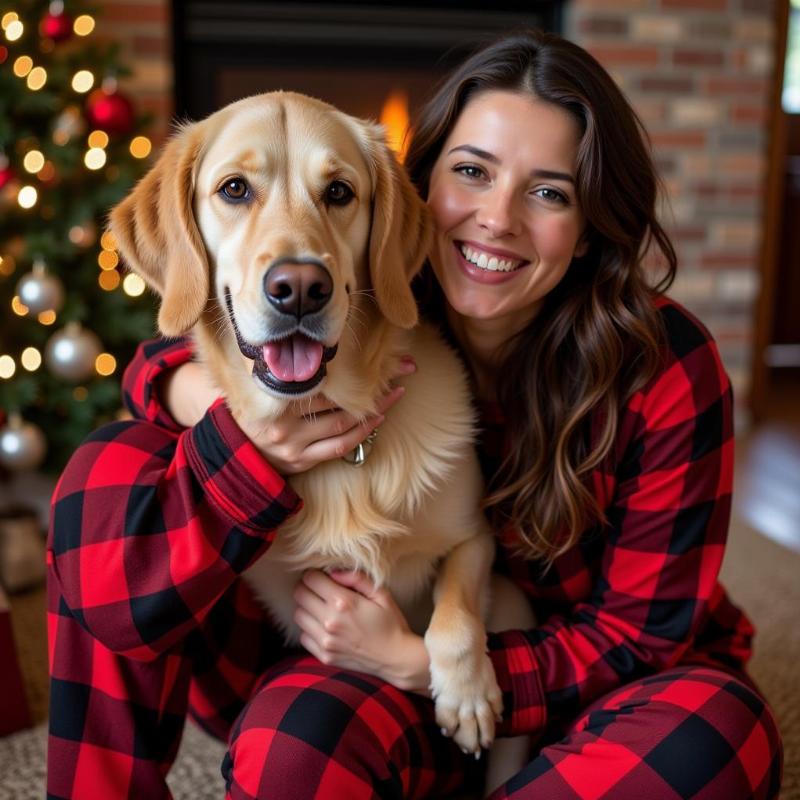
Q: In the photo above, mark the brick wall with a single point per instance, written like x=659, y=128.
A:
x=698, y=72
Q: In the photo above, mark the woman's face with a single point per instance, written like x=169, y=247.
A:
x=503, y=198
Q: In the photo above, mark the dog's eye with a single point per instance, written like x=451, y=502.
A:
x=235, y=189
x=338, y=193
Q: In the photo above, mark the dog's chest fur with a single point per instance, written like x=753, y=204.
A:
x=398, y=514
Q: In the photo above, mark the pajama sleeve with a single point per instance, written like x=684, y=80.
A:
x=151, y=523
x=667, y=522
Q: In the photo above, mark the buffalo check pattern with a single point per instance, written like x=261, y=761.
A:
x=636, y=668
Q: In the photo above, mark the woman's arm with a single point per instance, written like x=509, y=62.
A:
x=663, y=548
x=150, y=526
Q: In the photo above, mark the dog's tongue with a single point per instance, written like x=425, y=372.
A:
x=294, y=359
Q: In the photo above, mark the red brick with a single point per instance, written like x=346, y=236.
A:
x=698, y=58
x=603, y=25
x=758, y=114
x=737, y=86
x=666, y=84
x=668, y=139
x=695, y=5
x=712, y=260
x=625, y=55
x=152, y=46
x=136, y=12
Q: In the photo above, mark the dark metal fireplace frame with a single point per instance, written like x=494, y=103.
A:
x=210, y=38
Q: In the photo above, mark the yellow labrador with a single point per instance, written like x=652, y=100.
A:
x=284, y=235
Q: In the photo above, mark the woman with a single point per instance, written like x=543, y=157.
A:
x=607, y=449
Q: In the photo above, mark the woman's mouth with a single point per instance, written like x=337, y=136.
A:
x=486, y=267
x=489, y=261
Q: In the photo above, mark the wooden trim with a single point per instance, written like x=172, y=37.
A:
x=771, y=222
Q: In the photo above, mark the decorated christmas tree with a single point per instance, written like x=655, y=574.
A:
x=70, y=147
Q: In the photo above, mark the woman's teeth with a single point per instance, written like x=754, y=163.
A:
x=492, y=263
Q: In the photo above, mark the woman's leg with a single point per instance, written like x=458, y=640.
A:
x=687, y=732
x=314, y=731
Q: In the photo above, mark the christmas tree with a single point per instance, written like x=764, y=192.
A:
x=69, y=149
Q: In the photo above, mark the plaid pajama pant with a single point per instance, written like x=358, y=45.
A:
x=313, y=731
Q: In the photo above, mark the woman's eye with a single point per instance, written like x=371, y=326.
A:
x=338, y=193
x=235, y=189
x=552, y=196
x=469, y=171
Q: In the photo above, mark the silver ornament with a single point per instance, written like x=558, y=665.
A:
x=40, y=291
x=22, y=444
x=71, y=352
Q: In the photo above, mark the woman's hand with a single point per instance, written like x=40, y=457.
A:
x=347, y=622
x=304, y=435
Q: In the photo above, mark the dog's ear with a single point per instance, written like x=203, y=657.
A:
x=158, y=237
x=400, y=235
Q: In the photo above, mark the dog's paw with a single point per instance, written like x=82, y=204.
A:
x=467, y=698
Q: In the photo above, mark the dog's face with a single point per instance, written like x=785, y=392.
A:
x=269, y=217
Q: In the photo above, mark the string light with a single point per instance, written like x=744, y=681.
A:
x=7, y=265
x=98, y=139
x=47, y=317
x=82, y=81
x=105, y=364
x=8, y=18
x=37, y=78
x=133, y=285
x=7, y=367
x=31, y=359
x=18, y=307
x=14, y=30
x=27, y=196
x=83, y=25
x=33, y=161
x=22, y=66
x=109, y=280
x=95, y=158
x=140, y=147
x=107, y=241
x=48, y=172
x=108, y=259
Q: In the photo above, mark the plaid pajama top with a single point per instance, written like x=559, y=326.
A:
x=153, y=524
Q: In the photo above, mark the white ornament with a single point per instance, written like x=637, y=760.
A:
x=71, y=352
x=22, y=444
x=40, y=291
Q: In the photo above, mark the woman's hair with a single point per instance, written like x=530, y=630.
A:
x=597, y=339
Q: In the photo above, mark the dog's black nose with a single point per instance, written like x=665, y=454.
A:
x=298, y=287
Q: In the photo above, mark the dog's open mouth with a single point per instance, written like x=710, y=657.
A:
x=291, y=365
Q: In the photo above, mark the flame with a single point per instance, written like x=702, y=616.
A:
x=394, y=117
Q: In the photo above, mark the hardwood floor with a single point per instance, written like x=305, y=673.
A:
x=767, y=495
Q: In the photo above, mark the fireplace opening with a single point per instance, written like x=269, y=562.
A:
x=377, y=60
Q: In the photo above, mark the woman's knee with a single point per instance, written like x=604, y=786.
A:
x=698, y=730
x=316, y=731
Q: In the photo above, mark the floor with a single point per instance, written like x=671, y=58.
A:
x=767, y=495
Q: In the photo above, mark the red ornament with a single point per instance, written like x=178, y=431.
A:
x=112, y=113
x=6, y=174
x=57, y=27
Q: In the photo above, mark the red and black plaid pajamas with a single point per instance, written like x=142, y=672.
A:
x=633, y=682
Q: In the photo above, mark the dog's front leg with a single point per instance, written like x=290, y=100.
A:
x=463, y=683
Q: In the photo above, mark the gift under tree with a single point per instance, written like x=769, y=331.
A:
x=70, y=147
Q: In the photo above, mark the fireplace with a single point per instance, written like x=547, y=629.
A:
x=376, y=59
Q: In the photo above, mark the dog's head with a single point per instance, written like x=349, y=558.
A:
x=266, y=219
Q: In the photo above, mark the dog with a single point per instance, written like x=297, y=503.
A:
x=284, y=235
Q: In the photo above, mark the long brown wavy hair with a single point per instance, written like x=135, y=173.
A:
x=598, y=337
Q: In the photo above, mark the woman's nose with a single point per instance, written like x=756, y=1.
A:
x=498, y=214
